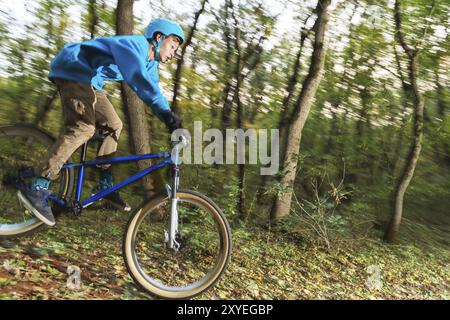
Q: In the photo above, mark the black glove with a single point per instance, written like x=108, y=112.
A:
x=171, y=120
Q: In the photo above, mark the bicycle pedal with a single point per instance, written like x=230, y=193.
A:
x=74, y=209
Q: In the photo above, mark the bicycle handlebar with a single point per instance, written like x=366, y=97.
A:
x=177, y=147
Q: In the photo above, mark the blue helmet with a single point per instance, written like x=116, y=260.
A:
x=166, y=27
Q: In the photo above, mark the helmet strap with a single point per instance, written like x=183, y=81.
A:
x=157, y=46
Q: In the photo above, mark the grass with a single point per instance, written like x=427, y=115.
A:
x=266, y=264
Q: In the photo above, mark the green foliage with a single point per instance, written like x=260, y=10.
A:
x=357, y=136
x=266, y=264
x=230, y=192
x=276, y=189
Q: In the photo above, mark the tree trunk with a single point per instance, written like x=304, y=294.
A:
x=414, y=153
x=228, y=103
x=133, y=107
x=93, y=18
x=361, y=142
x=442, y=150
x=248, y=60
x=411, y=160
x=284, y=113
x=440, y=91
x=293, y=80
x=398, y=146
x=45, y=109
x=237, y=98
x=282, y=206
x=180, y=62
x=241, y=167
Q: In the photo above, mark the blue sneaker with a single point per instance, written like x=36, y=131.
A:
x=35, y=199
x=106, y=182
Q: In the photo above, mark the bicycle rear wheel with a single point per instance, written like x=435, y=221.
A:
x=22, y=150
x=205, y=238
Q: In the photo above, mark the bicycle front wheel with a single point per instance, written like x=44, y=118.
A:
x=22, y=150
x=205, y=246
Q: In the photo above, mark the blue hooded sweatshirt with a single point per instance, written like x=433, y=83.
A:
x=112, y=59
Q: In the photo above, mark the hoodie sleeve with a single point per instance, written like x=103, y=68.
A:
x=128, y=56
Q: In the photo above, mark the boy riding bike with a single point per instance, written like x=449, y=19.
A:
x=80, y=71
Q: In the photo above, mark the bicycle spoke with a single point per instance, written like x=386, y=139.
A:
x=202, y=255
x=22, y=150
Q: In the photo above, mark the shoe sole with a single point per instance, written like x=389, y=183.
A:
x=30, y=207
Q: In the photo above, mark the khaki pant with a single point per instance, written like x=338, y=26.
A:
x=84, y=110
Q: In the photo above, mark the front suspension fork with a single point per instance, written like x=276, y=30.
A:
x=173, y=235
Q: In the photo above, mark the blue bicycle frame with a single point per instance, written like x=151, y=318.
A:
x=167, y=160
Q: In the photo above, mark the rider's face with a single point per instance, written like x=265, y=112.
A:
x=168, y=49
